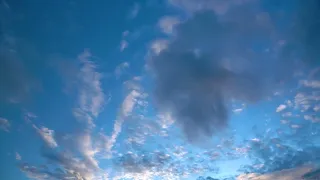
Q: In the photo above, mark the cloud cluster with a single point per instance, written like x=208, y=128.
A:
x=213, y=58
x=74, y=159
x=208, y=63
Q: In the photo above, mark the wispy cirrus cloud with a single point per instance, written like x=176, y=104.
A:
x=127, y=107
x=47, y=135
x=91, y=97
x=77, y=160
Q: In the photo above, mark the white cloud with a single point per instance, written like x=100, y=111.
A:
x=91, y=96
x=238, y=110
x=158, y=45
x=4, y=124
x=121, y=68
x=88, y=151
x=123, y=45
x=18, y=156
x=167, y=24
x=281, y=108
x=47, y=135
x=126, y=109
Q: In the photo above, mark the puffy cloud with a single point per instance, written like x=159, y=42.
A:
x=167, y=24
x=47, y=135
x=4, y=124
x=158, y=45
x=281, y=108
x=207, y=64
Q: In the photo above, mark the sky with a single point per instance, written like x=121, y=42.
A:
x=159, y=89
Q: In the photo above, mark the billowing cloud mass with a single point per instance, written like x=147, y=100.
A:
x=215, y=58
x=208, y=63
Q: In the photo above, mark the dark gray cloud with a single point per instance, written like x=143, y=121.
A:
x=242, y=55
x=209, y=62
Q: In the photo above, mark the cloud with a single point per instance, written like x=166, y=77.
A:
x=158, y=45
x=121, y=68
x=238, y=110
x=289, y=174
x=281, y=108
x=4, y=124
x=74, y=159
x=18, y=156
x=310, y=83
x=207, y=64
x=47, y=135
x=90, y=93
x=127, y=107
x=123, y=45
x=167, y=24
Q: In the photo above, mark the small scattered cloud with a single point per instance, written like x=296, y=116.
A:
x=47, y=135
x=238, y=110
x=4, y=124
x=18, y=156
x=167, y=24
x=123, y=45
x=281, y=108
x=121, y=68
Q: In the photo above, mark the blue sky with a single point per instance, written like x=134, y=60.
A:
x=158, y=89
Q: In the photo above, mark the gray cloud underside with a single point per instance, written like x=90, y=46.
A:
x=213, y=59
